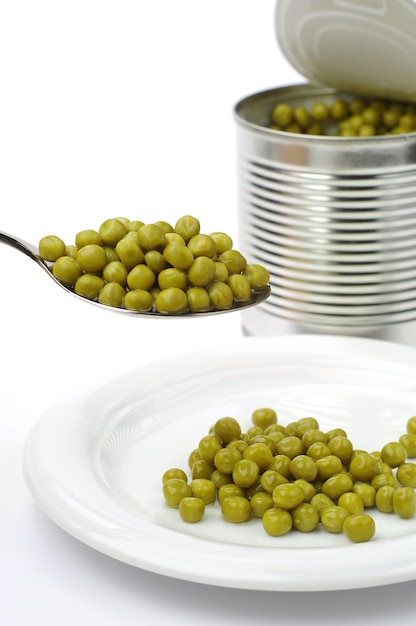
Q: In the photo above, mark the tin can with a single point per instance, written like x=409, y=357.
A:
x=332, y=218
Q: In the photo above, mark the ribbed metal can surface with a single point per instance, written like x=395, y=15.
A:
x=332, y=218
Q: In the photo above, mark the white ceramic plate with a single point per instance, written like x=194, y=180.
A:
x=94, y=461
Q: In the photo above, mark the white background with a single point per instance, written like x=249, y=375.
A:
x=120, y=107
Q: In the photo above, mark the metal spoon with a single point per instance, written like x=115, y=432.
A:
x=33, y=253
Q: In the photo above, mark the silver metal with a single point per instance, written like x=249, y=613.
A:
x=32, y=252
x=332, y=218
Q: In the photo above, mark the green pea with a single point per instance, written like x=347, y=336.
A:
x=228, y=490
x=187, y=227
x=171, y=300
x=363, y=467
x=328, y=466
x=115, y=272
x=270, y=479
x=312, y=436
x=404, y=502
x=236, y=509
x=227, y=429
x=89, y=286
x=221, y=272
x=245, y=473
x=151, y=237
x=260, y=453
x=51, y=248
x=290, y=446
x=174, y=490
x=66, y=270
x=178, y=256
x=141, y=277
x=308, y=489
x=321, y=501
x=191, y=509
x=201, y=469
x=222, y=241
x=411, y=425
x=138, y=300
x=91, y=258
x=264, y=417
x=366, y=492
x=86, y=237
x=384, y=498
x=234, y=260
x=408, y=441
x=287, y=496
x=112, y=294
x=172, y=277
x=406, y=474
x=204, y=489
x=202, y=245
x=333, y=518
x=318, y=450
x=393, y=453
x=302, y=466
x=240, y=287
x=341, y=446
x=198, y=300
x=155, y=260
x=277, y=522
x=320, y=111
x=111, y=231
x=129, y=252
x=202, y=271
x=174, y=472
x=208, y=447
x=281, y=463
x=282, y=115
x=336, y=485
x=359, y=528
x=226, y=458
x=305, y=518
x=260, y=503
x=220, y=295
x=351, y=501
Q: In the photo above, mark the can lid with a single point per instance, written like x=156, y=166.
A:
x=364, y=47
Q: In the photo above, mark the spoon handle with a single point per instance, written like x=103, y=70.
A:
x=25, y=247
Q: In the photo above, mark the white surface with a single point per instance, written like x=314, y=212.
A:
x=111, y=106
x=354, y=46
x=94, y=461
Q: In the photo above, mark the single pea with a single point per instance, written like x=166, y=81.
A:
x=174, y=490
x=252, y=432
x=357, y=105
x=151, y=237
x=238, y=444
x=71, y=251
x=187, y=227
x=230, y=489
x=302, y=466
x=287, y=496
x=270, y=442
x=138, y=300
x=195, y=455
x=202, y=245
x=141, y=277
x=301, y=117
x=112, y=294
x=258, y=276
x=221, y=272
x=408, y=441
x=178, y=256
x=226, y=458
x=404, y=502
x=175, y=238
x=308, y=489
x=384, y=498
x=411, y=425
x=363, y=467
x=245, y=473
x=191, y=509
x=234, y=260
x=171, y=300
x=366, y=492
x=89, y=286
x=260, y=503
x=91, y=258
x=111, y=254
x=201, y=469
x=312, y=436
x=304, y=424
x=236, y=509
x=204, y=489
x=172, y=277
x=339, y=109
x=155, y=260
x=208, y=447
x=86, y=237
x=240, y=287
x=305, y=518
x=328, y=466
x=51, y=248
x=202, y=272
x=134, y=225
x=393, y=453
x=129, y=252
x=336, y=485
x=290, y=446
x=351, y=501
x=219, y=479
x=227, y=429
x=333, y=518
x=341, y=446
x=264, y=417
x=222, y=241
x=380, y=480
x=282, y=114
x=277, y=522
x=318, y=450
x=220, y=295
x=335, y=432
x=198, y=300
x=270, y=479
x=174, y=472
x=163, y=225
x=66, y=270
x=320, y=111
x=260, y=453
x=111, y=231
x=359, y=528
x=115, y=272
x=321, y=501
x=281, y=463
x=406, y=474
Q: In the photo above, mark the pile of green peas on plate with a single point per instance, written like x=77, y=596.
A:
x=294, y=477
x=356, y=117
x=154, y=266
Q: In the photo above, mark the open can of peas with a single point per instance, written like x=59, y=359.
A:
x=327, y=175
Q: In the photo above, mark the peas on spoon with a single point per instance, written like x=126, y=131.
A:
x=111, y=295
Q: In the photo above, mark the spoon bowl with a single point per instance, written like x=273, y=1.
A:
x=32, y=252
